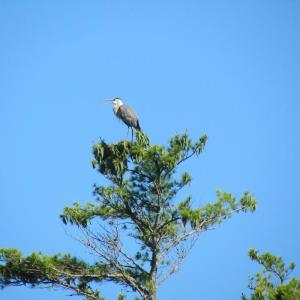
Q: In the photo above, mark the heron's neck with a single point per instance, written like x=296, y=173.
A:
x=116, y=107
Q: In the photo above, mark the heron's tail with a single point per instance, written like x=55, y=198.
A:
x=138, y=127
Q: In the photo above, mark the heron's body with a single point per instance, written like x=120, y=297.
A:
x=126, y=114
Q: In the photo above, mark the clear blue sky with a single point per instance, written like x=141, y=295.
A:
x=230, y=69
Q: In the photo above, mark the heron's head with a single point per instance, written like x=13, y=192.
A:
x=116, y=102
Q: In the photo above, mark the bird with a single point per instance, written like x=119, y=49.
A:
x=126, y=114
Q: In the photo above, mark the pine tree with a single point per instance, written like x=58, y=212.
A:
x=272, y=282
x=138, y=229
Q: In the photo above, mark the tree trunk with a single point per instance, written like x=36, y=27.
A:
x=152, y=296
x=152, y=291
x=153, y=273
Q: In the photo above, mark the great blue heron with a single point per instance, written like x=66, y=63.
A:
x=126, y=114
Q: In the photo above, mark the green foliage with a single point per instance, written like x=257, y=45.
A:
x=214, y=213
x=270, y=283
x=141, y=174
x=144, y=203
x=121, y=297
x=58, y=270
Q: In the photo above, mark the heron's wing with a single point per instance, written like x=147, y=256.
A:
x=128, y=116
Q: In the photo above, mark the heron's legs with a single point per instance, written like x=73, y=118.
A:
x=131, y=135
x=127, y=132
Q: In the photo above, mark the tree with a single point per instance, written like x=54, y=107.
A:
x=270, y=283
x=141, y=206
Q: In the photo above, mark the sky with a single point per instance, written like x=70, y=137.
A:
x=229, y=69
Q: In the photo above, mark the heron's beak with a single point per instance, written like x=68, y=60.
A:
x=108, y=100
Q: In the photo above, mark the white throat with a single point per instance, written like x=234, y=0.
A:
x=117, y=105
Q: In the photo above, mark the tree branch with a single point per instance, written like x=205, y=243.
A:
x=199, y=228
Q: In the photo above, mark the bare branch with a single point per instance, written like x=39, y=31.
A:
x=107, y=247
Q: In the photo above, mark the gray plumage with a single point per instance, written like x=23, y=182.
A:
x=128, y=116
